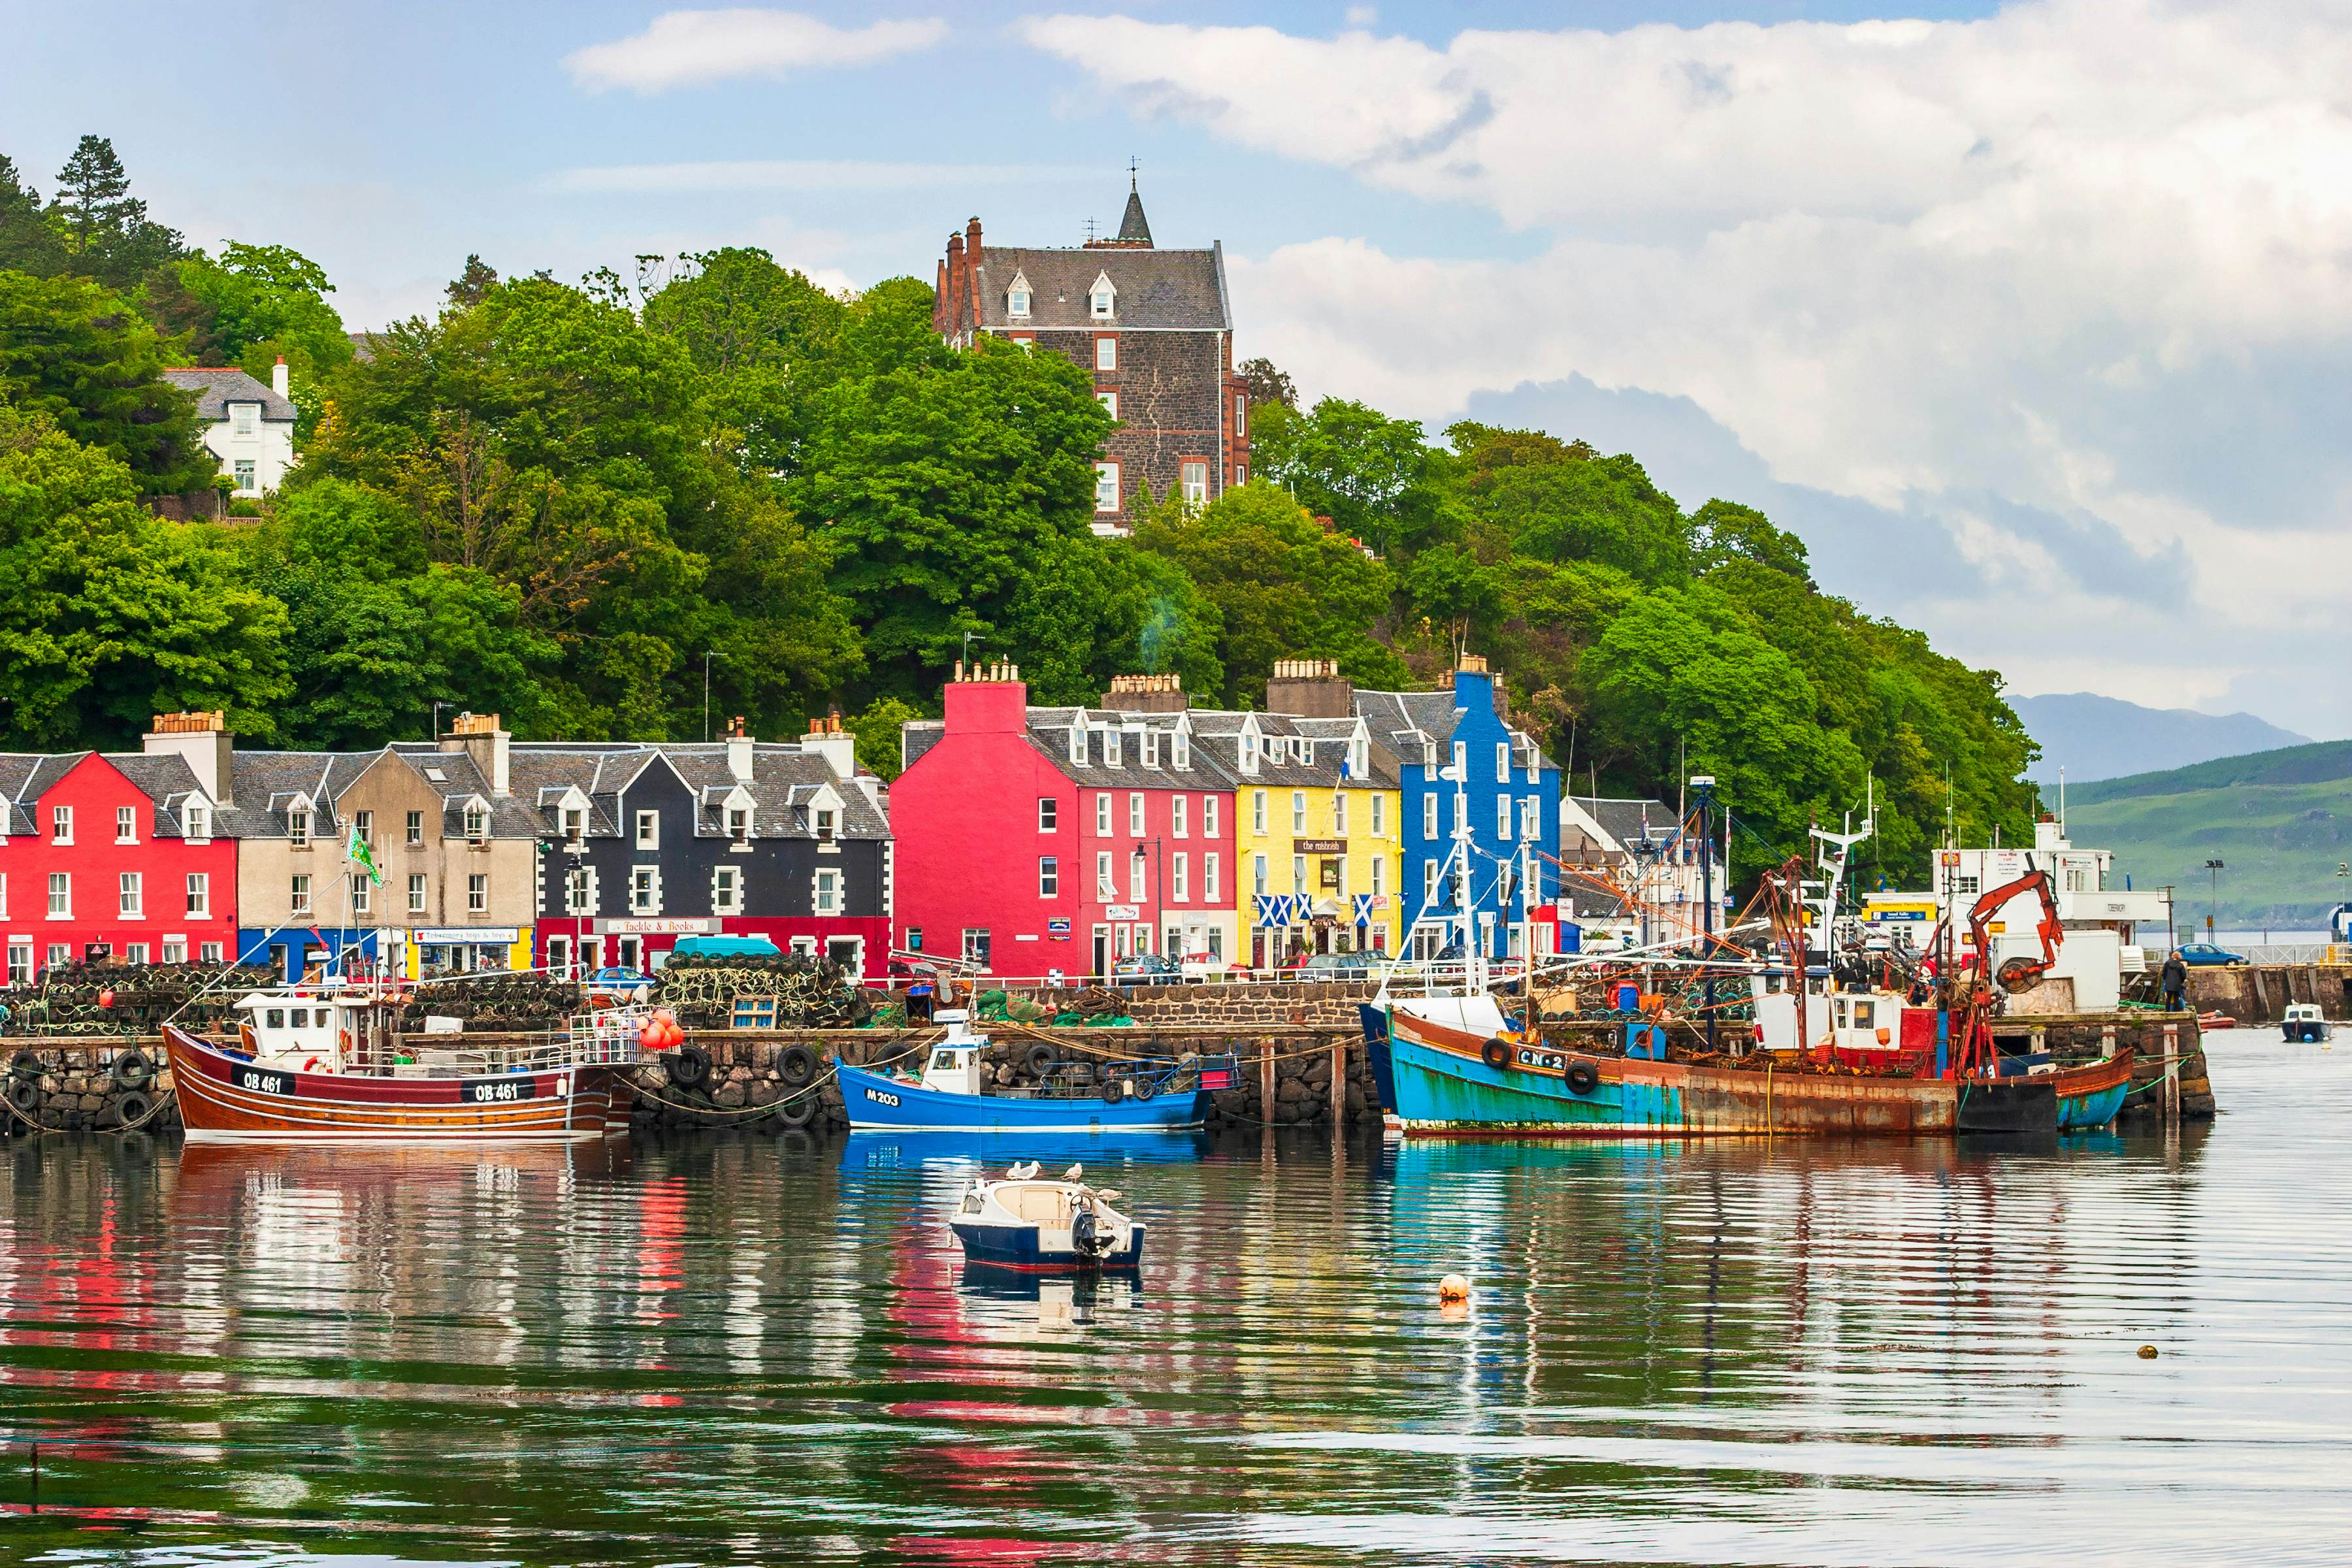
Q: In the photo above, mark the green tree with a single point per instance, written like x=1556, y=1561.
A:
x=765, y=340
x=1281, y=586
x=377, y=631
x=1450, y=585
x=258, y=302
x=877, y=730
x=1723, y=532
x=1268, y=385
x=472, y=285
x=80, y=355
x=1094, y=608
x=1371, y=475
x=112, y=615
x=942, y=484
x=108, y=233
x=29, y=242
x=1562, y=501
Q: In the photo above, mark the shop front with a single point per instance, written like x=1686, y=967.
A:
x=435, y=951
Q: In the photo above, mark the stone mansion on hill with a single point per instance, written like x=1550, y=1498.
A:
x=1154, y=328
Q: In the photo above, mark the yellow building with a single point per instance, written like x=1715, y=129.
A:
x=1317, y=832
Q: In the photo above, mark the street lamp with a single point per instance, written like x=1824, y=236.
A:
x=2213, y=899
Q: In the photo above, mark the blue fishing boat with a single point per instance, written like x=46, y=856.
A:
x=2091, y=1095
x=950, y=1093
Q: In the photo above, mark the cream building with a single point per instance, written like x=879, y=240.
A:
x=248, y=426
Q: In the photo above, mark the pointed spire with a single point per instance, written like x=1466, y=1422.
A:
x=1132, y=229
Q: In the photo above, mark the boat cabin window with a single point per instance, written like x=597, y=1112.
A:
x=277, y=1016
x=1861, y=1015
x=945, y=1059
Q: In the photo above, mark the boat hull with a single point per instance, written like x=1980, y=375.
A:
x=1444, y=1086
x=2090, y=1096
x=873, y=1103
x=225, y=1100
x=1018, y=1246
x=2009, y=1105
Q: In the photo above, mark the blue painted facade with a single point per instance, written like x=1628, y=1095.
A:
x=1499, y=763
x=290, y=949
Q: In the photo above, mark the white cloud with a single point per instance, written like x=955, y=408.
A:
x=684, y=48
x=2082, y=256
x=803, y=175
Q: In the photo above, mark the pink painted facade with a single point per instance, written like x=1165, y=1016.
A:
x=133, y=888
x=1013, y=851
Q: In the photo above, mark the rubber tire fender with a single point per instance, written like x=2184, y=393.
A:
x=25, y=1093
x=1495, y=1053
x=796, y=1113
x=796, y=1065
x=25, y=1063
x=1113, y=1091
x=1581, y=1075
x=132, y=1108
x=131, y=1070
x=689, y=1066
x=1142, y=1089
x=1041, y=1060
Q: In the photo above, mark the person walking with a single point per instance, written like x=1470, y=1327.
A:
x=2175, y=975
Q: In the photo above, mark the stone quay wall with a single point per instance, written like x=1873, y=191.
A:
x=2259, y=992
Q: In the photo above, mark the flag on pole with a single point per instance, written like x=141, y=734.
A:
x=355, y=851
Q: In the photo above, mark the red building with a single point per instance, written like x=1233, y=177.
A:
x=112, y=857
x=1035, y=839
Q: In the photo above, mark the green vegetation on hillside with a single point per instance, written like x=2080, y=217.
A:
x=575, y=504
x=2279, y=821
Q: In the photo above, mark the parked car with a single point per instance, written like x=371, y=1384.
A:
x=2205, y=955
x=616, y=983
x=1202, y=965
x=1146, y=969
x=1342, y=966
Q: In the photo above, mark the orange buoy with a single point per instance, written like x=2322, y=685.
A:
x=1453, y=1288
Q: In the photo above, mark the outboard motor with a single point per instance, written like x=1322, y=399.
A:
x=1088, y=1235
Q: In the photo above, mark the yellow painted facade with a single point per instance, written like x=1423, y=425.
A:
x=1328, y=844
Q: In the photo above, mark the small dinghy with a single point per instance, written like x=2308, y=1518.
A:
x=1020, y=1221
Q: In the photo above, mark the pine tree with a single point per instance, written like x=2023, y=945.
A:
x=27, y=241
x=470, y=285
x=108, y=233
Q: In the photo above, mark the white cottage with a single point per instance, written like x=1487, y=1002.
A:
x=248, y=426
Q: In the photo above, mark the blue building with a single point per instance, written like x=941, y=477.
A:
x=1510, y=793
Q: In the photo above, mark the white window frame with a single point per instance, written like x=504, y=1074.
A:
x=649, y=829
x=1209, y=877
x=414, y=832
x=131, y=895
x=1338, y=814
x=477, y=823
x=1192, y=480
x=1049, y=876
x=200, y=895
x=739, y=824
x=645, y=889
x=1380, y=816
x=1503, y=818
x=1429, y=815
x=825, y=900
x=1151, y=748
x=477, y=893
x=1180, y=744
x=1428, y=884
x=1180, y=878
x=1016, y=302
x=196, y=823
x=579, y=891
x=726, y=891
x=1531, y=818
x=1241, y=415
x=362, y=890
x=1178, y=827
x=245, y=418
x=1298, y=811
x=1299, y=873
x=1208, y=817
x=1136, y=873
x=1107, y=485
x=208, y=953
x=1257, y=811
x=1107, y=351
x=418, y=893
x=176, y=950
x=1258, y=874
x=1249, y=755
x=298, y=894
x=20, y=962
x=1134, y=814
x=61, y=824
x=1502, y=762
x=298, y=828
x=126, y=825
x=1102, y=813
x=1109, y=398
x=1379, y=875
x=1106, y=877
x=1049, y=814
x=363, y=823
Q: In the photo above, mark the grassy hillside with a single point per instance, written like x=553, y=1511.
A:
x=2280, y=821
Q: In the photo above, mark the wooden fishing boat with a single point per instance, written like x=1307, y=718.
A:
x=2093, y=1094
x=317, y=1066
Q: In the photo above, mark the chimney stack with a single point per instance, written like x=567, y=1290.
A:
x=278, y=382
x=836, y=745
x=739, y=749
x=1309, y=689
x=479, y=736
x=203, y=742
x=1145, y=694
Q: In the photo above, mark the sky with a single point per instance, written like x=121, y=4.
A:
x=2033, y=321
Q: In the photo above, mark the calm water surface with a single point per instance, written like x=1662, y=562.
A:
x=736, y=1349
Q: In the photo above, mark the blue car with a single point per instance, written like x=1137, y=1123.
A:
x=2205, y=955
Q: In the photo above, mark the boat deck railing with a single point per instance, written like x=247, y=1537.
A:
x=1147, y=1075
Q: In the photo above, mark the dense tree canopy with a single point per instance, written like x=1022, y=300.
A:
x=575, y=504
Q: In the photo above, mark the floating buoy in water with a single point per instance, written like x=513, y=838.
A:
x=1453, y=1288
x=2148, y=1353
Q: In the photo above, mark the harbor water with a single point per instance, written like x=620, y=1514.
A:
x=732, y=1348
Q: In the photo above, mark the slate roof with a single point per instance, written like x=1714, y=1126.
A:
x=216, y=388
x=1624, y=820
x=1398, y=718
x=917, y=736
x=1155, y=288
x=1114, y=749
x=168, y=781
x=783, y=786
x=1220, y=730
x=25, y=775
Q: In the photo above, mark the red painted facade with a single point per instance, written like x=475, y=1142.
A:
x=980, y=815
x=147, y=919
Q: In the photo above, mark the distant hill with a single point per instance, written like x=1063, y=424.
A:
x=2279, y=821
x=2094, y=737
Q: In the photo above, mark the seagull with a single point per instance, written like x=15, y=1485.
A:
x=1022, y=1172
x=1073, y=1173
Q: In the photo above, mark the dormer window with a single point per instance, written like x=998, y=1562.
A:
x=1102, y=298
x=823, y=823
x=297, y=826
x=245, y=418
x=1151, y=748
x=575, y=824
x=1016, y=298
x=1078, y=744
x=199, y=822
x=739, y=824
x=1249, y=753
x=477, y=823
x=1180, y=744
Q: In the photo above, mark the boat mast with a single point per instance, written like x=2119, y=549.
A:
x=1474, y=967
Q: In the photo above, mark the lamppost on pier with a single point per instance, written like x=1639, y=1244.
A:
x=2213, y=899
